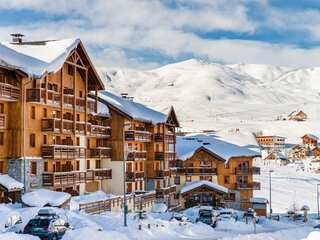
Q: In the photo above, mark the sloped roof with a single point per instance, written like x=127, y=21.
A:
x=196, y=184
x=133, y=109
x=311, y=136
x=224, y=144
x=10, y=183
x=44, y=197
x=36, y=60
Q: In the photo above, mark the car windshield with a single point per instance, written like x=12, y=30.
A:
x=39, y=223
x=205, y=214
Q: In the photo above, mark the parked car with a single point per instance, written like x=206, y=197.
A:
x=13, y=222
x=207, y=216
x=180, y=217
x=47, y=225
x=225, y=214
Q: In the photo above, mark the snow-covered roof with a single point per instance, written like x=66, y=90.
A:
x=92, y=197
x=36, y=59
x=225, y=144
x=44, y=197
x=10, y=183
x=196, y=184
x=132, y=109
x=314, y=137
x=259, y=200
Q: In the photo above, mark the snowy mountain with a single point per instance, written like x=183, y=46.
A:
x=210, y=95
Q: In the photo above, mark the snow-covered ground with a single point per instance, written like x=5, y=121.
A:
x=109, y=226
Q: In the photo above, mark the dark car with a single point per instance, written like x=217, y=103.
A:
x=206, y=216
x=46, y=225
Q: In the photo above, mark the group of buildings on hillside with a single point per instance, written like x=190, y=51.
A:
x=60, y=130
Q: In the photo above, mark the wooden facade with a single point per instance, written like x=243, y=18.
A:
x=50, y=126
x=236, y=174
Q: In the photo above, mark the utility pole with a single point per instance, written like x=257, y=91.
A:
x=318, y=200
x=270, y=203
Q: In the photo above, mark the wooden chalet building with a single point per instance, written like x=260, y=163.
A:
x=50, y=133
x=310, y=141
x=209, y=158
x=271, y=143
x=146, y=140
x=298, y=152
x=298, y=116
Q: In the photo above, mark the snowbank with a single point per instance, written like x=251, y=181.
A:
x=313, y=236
x=94, y=234
x=14, y=236
x=10, y=183
x=90, y=197
x=196, y=184
x=44, y=197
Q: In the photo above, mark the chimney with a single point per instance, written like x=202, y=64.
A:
x=17, y=38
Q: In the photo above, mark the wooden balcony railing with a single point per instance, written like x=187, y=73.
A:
x=133, y=176
x=99, y=131
x=162, y=173
x=132, y=156
x=246, y=171
x=251, y=185
x=38, y=95
x=99, y=152
x=162, y=192
x=167, y=156
x=66, y=152
x=9, y=91
x=196, y=171
x=137, y=136
x=60, y=179
x=167, y=138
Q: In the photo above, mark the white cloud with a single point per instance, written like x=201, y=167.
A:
x=139, y=25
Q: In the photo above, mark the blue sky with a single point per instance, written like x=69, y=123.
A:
x=149, y=33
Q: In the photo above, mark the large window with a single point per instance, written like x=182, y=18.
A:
x=33, y=168
x=1, y=138
x=33, y=112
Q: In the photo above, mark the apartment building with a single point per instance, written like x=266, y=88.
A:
x=145, y=140
x=51, y=134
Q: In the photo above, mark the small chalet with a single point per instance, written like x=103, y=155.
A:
x=298, y=152
x=310, y=140
x=260, y=205
x=203, y=193
x=298, y=116
x=10, y=189
x=316, y=152
x=224, y=159
x=277, y=157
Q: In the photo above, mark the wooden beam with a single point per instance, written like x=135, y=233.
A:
x=86, y=103
x=77, y=65
x=62, y=98
x=74, y=98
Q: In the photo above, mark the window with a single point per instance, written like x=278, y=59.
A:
x=33, y=112
x=88, y=164
x=70, y=70
x=188, y=178
x=45, y=113
x=177, y=180
x=44, y=139
x=1, y=167
x=78, y=117
x=78, y=141
x=1, y=138
x=1, y=108
x=226, y=180
x=45, y=166
x=33, y=168
x=32, y=140
x=78, y=166
x=80, y=94
x=98, y=164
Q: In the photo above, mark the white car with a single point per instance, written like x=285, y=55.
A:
x=13, y=222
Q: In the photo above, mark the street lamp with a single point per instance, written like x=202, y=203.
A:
x=318, y=184
x=270, y=203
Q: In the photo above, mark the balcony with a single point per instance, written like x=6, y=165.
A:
x=38, y=95
x=8, y=91
x=161, y=192
x=63, y=152
x=137, y=136
x=99, y=152
x=133, y=176
x=61, y=179
x=167, y=138
x=252, y=185
x=162, y=173
x=133, y=156
x=247, y=171
x=196, y=171
x=99, y=130
x=167, y=156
